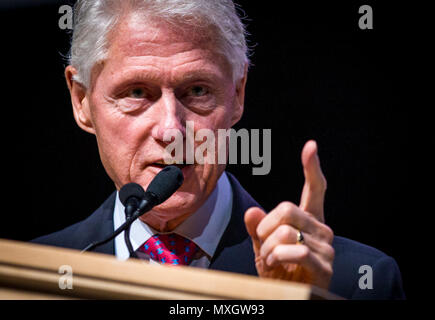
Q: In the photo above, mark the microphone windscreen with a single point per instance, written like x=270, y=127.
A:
x=131, y=190
x=166, y=182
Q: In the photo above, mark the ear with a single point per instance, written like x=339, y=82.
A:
x=240, y=97
x=80, y=101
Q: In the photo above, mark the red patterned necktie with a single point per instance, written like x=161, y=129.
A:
x=171, y=249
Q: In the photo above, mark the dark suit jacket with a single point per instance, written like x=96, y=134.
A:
x=234, y=252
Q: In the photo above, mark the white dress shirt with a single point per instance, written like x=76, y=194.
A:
x=205, y=227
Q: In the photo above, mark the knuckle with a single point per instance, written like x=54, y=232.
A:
x=284, y=232
x=332, y=253
x=329, y=252
x=286, y=207
x=329, y=234
x=323, y=232
x=327, y=271
x=285, y=212
x=330, y=269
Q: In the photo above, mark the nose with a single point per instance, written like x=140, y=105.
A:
x=170, y=116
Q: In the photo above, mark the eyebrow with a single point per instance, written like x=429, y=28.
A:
x=195, y=75
x=150, y=75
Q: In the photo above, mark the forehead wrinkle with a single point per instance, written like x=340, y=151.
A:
x=133, y=34
x=164, y=69
x=159, y=48
x=154, y=75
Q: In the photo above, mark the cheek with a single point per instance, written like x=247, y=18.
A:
x=118, y=128
x=211, y=170
x=119, y=138
x=220, y=118
x=111, y=128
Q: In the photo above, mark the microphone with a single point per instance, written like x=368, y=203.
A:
x=130, y=196
x=164, y=185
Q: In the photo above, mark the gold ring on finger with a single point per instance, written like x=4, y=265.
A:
x=300, y=238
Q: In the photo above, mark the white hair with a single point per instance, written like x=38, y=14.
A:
x=94, y=19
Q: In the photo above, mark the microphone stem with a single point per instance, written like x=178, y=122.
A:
x=128, y=243
x=145, y=205
x=93, y=245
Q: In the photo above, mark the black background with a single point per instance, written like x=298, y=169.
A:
x=315, y=75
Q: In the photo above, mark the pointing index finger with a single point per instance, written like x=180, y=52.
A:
x=313, y=193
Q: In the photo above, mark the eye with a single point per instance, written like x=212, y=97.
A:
x=198, y=91
x=137, y=93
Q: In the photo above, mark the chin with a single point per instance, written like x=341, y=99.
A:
x=199, y=182
x=180, y=203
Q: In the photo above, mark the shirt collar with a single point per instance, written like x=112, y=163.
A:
x=205, y=227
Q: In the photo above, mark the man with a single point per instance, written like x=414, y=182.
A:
x=142, y=68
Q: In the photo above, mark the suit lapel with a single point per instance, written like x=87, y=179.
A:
x=107, y=226
x=99, y=226
x=234, y=252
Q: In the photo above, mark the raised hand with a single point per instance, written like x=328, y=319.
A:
x=274, y=236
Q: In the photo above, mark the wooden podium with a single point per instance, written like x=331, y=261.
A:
x=31, y=271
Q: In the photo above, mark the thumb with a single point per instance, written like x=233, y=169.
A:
x=253, y=217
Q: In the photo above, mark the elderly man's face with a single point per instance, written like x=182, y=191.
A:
x=156, y=79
